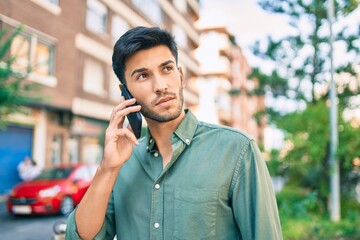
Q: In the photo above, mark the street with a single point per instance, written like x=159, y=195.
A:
x=27, y=227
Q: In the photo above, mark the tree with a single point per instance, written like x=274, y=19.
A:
x=302, y=57
x=304, y=159
x=14, y=90
x=302, y=77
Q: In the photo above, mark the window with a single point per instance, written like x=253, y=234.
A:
x=150, y=8
x=93, y=81
x=118, y=27
x=96, y=16
x=91, y=150
x=73, y=146
x=20, y=48
x=36, y=55
x=55, y=173
x=52, y=6
x=42, y=55
x=56, y=149
x=83, y=174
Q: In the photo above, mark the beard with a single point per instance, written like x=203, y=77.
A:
x=169, y=115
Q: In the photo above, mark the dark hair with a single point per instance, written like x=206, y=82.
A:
x=136, y=39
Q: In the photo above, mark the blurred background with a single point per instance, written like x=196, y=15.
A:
x=287, y=73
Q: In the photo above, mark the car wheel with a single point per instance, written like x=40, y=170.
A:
x=67, y=205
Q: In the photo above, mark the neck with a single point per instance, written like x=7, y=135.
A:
x=161, y=133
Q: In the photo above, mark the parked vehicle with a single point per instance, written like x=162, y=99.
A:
x=55, y=190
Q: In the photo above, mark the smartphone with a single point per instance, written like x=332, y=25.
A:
x=134, y=118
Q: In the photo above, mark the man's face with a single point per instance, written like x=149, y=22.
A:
x=156, y=82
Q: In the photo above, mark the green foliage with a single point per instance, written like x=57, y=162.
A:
x=303, y=218
x=301, y=63
x=297, y=203
x=304, y=159
x=14, y=91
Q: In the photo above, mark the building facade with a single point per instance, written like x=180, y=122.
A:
x=229, y=98
x=68, y=44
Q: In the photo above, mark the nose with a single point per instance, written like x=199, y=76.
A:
x=160, y=84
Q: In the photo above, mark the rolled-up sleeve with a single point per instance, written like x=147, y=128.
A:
x=107, y=231
x=253, y=198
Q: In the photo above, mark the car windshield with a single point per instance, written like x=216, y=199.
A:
x=55, y=173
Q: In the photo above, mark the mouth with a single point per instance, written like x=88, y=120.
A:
x=164, y=100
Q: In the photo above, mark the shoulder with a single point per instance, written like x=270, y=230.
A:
x=223, y=131
x=230, y=139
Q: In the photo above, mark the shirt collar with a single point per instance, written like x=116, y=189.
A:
x=185, y=131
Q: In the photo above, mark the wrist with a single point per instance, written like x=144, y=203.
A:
x=106, y=170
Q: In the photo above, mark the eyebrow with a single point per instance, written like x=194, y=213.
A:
x=166, y=63
x=138, y=70
x=144, y=69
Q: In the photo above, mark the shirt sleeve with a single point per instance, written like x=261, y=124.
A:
x=253, y=198
x=107, y=231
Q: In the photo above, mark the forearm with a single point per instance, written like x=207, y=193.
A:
x=119, y=142
x=90, y=213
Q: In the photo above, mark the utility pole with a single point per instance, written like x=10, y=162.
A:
x=334, y=139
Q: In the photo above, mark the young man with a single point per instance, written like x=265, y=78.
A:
x=185, y=179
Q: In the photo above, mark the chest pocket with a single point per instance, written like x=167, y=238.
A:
x=195, y=214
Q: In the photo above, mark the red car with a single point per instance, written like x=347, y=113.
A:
x=55, y=190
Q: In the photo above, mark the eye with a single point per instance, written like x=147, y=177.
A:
x=142, y=76
x=168, y=68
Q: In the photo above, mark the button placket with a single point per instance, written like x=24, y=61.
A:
x=157, y=211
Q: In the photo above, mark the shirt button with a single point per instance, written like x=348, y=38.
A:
x=151, y=140
x=156, y=225
x=187, y=140
x=157, y=186
x=156, y=154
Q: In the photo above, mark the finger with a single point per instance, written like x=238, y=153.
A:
x=130, y=128
x=126, y=133
x=122, y=104
x=131, y=136
x=118, y=117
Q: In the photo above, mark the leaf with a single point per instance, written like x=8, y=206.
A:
x=14, y=89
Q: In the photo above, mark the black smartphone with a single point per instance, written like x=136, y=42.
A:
x=134, y=118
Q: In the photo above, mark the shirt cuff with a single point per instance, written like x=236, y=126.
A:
x=71, y=229
x=72, y=233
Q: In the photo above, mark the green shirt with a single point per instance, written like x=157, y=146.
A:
x=216, y=186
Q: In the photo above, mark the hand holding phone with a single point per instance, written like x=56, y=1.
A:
x=134, y=118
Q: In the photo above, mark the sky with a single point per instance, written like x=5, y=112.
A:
x=243, y=18
x=248, y=22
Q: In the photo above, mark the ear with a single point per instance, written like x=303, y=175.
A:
x=183, y=83
x=120, y=86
